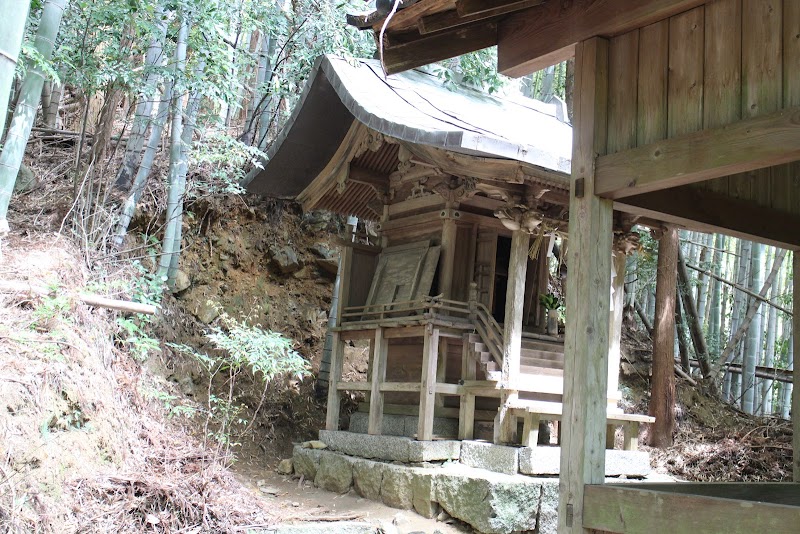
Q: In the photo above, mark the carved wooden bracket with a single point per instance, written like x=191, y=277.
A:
x=519, y=217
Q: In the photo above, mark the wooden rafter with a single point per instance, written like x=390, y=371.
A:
x=458, y=17
x=740, y=147
x=416, y=52
x=545, y=35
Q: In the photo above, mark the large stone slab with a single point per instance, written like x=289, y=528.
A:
x=306, y=461
x=492, y=503
x=396, y=490
x=367, y=479
x=546, y=461
x=496, y=458
x=393, y=425
x=423, y=490
x=335, y=472
x=391, y=448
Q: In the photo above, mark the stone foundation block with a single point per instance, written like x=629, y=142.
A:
x=367, y=479
x=494, y=505
x=547, y=461
x=390, y=448
x=423, y=490
x=306, y=461
x=433, y=451
x=396, y=490
x=335, y=472
x=393, y=425
x=497, y=458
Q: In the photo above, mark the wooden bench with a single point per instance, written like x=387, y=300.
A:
x=534, y=411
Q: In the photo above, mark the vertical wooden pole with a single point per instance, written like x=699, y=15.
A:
x=427, y=395
x=796, y=371
x=378, y=376
x=337, y=344
x=334, y=398
x=466, y=412
x=588, y=295
x=662, y=383
x=615, y=334
x=448, y=257
x=512, y=331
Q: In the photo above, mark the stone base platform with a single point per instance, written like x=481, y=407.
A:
x=495, y=489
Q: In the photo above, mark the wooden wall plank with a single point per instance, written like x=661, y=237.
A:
x=685, y=85
x=762, y=60
x=652, y=91
x=722, y=83
x=791, y=53
x=623, y=68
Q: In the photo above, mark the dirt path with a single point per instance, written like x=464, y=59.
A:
x=298, y=502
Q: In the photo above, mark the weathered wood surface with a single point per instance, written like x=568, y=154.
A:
x=588, y=298
x=427, y=396
x=743, y=146
x=380, y=350
x=645, y=508
x=547, y=34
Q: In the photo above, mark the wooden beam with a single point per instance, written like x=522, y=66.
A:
x=376, y=180
x=739, y=147
x=545, y=35
x=636, y=508
x=438, y=46
x=588, y=295
x=334, y=397
x=456, y=17
x=707, y=211
x=466, y=411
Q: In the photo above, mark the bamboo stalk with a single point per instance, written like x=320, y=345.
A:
x=27, y=288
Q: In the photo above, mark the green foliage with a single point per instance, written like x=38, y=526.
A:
x=168, y=401
x=476, y=69
x=221, y=160
x=549, y=301
x=264, y=354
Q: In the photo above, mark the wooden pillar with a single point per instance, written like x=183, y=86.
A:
x=448, y=257
x=337, y=352
x=427, y=394
x=542, y=284
x=466, y=412
x=380, y=348
x=334, y=397
x=588, y=295
x=512, y=331
x=796, y=372
x=615, y=333
x=662, y=383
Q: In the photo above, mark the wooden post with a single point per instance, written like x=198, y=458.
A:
x=542, y=286
x=334, y=398
x=662, y=383
x=378, y=376
x=615, y=334
x=466, y=411
x=588, y=296
x=337, y=352
x=448, y=257
x=427, y=395
x=530, y=429
x=512, y=331
x=796, y=372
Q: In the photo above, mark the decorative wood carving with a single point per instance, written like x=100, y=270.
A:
x=519, y=217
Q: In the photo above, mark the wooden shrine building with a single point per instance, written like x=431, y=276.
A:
x=466, y=193
x=685, y=111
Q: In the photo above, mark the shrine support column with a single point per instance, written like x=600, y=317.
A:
x=512, y=332
x=588, y=294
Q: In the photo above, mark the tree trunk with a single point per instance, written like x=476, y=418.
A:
x=265, y=102
x=51, y=113
x=692, y=317
x=175, y=188
x=144, y=108
x=702, y=280
x=16, y=14
x=769, y=351
x=680, y=331
x=143, y=172
x=662, y=400
x=25, y=111
x=787, y=388
x=727, y=355
x=716, y=297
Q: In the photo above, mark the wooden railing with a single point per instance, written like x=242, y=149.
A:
x=490, y=332
x=426, y=307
